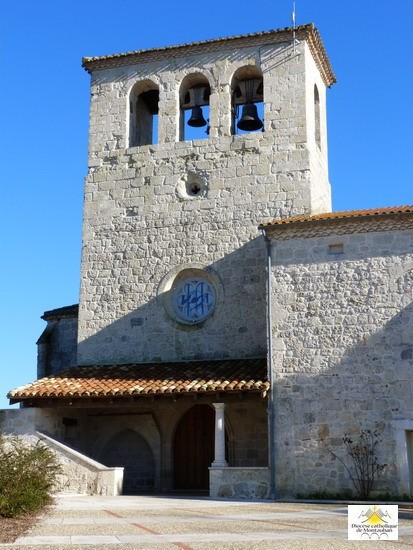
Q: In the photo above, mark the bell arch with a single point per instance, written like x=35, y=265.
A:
x=247, y=92
x=194, y=94
x=143, y=113
x=131, y=451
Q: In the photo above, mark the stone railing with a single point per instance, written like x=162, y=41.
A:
x=82, y=475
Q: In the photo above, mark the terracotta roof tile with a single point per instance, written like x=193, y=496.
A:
x=305, y=32
x=149, y=379
x=339, y=216
x=87, y=60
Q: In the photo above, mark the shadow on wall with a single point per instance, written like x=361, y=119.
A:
x=154, y=331
x=132, y=451
x=139, y=434
x=269, y=61
x=343, y=358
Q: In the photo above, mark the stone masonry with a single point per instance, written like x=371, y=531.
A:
x=343, y=347
x=140, y=228
x=159, y=216
x=57, y=346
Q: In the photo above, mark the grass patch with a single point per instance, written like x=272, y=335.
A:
x=347, y=495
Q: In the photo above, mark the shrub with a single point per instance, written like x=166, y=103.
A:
x=364, y=465
x=27, y=475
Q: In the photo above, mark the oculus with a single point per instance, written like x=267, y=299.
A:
x=194, y=299
x=191, y=294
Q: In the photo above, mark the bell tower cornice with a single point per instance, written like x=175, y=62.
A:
x=304, y=32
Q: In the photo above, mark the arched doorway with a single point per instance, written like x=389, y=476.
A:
x=131, y=450
x=194, y=448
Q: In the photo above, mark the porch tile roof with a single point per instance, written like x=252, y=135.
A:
x=339, y=216
x=191, y=377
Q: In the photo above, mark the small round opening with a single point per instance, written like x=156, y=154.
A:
x=193, y=185
x=194, y=189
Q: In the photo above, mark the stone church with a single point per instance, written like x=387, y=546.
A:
x=231, y=329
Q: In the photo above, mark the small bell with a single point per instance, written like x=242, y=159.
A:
x=250, y=120
x=197, y=118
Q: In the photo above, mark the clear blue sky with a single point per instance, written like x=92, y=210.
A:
x=44, y=96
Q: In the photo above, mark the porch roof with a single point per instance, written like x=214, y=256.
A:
x=336, y=217
x=148, y=379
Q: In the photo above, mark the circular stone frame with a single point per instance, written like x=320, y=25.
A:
x=173, y=282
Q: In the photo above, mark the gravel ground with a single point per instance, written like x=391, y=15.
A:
x=197, y=524
x=12, y=528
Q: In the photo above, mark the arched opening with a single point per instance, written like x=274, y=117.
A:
x=247, y=93
x=193, y=449
x=143, y=114
x=194, y=96
x=317, y=128
x=131, y=450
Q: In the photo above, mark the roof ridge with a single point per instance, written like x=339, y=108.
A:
x=307, y=32
x=339, y=215
x=307, y=26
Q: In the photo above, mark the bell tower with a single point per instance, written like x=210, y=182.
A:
x=192, y=147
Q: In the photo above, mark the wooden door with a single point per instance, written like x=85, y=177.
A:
x=194, y=448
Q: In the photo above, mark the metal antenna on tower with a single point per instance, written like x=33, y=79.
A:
x=293, y=21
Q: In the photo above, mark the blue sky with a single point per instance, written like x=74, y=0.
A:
x=44, y=96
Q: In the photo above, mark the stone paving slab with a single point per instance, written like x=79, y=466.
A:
x=266, y=516
x=196, y=524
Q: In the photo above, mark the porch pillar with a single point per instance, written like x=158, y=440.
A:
x=219, y=461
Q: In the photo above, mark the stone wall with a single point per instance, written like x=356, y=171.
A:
x=28, y=421
x=142, y=225
x=239, y=483
x=57, y=346
x=247, y=427
x=342, y=350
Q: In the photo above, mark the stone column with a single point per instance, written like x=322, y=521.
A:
x=219, y=461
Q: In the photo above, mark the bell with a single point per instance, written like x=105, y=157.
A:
x=197, y=118
x=250, y=120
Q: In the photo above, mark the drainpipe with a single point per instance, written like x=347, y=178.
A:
x=271, y=400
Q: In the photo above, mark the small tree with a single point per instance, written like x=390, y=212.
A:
x=27, y=475
x=365, y=466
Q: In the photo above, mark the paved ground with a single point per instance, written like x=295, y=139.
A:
x=80, y=522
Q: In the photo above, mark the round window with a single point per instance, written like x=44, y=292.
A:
x=194, y=299
x=191, y=294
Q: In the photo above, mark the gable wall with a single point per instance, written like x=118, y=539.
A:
x=342, y=352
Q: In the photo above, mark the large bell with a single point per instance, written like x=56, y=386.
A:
x=197, y=118
x=250, y=120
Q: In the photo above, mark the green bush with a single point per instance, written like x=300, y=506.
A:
x=27, y=475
